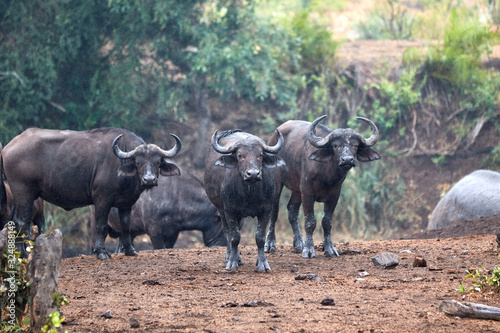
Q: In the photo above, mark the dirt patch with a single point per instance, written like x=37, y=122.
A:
x=189, y=290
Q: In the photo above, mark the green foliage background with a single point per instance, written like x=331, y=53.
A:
x=140, y=64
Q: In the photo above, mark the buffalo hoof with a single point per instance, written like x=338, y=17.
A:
x=308, y=253
x=262, y=267
x=331, y=253
x=298, y=245
x=131, y=253
x=232, y=266
x=103, y=255
x=270, y=247
x=329, y=249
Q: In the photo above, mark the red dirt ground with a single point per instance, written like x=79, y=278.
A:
x=189, y=290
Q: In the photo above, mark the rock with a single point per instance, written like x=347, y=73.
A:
x=363, y=273
x=310, y=276
x=385, y=260
x=328, y=301
x=419, y=262
x=107, y=314
x=134, y=323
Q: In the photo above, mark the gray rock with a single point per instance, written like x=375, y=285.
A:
x=385, y=260
x=107, y=314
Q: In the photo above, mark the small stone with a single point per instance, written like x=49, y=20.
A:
x=419, y=262
x=294, y=269
x=385, y=260
x=107, y=314
x=134, y=323
x=363, y=273
x=328, y=301
x=310, y=276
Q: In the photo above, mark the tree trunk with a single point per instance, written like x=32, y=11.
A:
x=203, y=110
x=44, y=269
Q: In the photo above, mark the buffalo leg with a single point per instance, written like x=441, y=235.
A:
x=270, y=244
x=101, y=225
x=328, y=247
x=233, y=235
x=293, y=217
x=262, y=264
x=170, y=239
x=310, y=226
x=326, y=222
x=101, y=233
x=125, y=236
x=22, y=221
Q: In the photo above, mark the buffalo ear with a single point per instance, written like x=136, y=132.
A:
x=322, y=155
x=127, y=170
x=169, y=169
x=367, y=155
x=227, y=161
x=272, y=161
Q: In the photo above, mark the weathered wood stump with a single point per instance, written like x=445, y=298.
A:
x=44, y=268
x=470, y=310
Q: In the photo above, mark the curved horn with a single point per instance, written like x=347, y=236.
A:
x=315, y=140
x=174, y=151
x=372, y=140
x=276, y=148
x=220, y=149
x=119, y=153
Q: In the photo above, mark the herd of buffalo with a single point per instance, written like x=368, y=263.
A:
x=109, y=168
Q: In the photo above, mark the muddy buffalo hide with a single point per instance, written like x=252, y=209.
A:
x=475, y=195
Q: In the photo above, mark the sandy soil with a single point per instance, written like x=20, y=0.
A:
x=189, y=290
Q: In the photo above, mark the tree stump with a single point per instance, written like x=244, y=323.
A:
x=470, y=310
x=44, y=268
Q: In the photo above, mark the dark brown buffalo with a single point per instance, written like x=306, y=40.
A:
x=177, y=204
x=317, y=160
x=37, y=217
x=242, y=178
x=74, y=169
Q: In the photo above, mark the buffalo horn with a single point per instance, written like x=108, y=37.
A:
x=220, y=149
x=276, y=148
x=315, y=140
x=372, y=140
x=119, y=153
x=164, y=153
x=172, y=152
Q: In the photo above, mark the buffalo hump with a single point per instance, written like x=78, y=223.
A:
x=476, y=195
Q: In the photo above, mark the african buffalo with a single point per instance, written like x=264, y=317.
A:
x=242, y=178
x=74, y=169
x=317, y=160
x=177, y=204
x=475, y=195
x=37, y=217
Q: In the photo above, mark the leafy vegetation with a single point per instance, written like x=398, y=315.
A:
x=14, y=287
x=481, y=280
x=141, y=65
